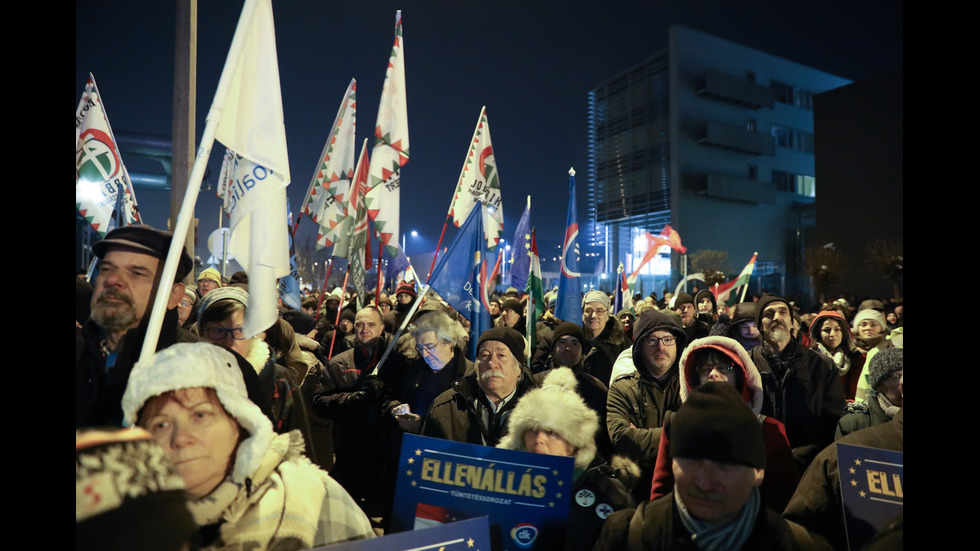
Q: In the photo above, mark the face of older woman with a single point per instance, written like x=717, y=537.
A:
x=547, y=442
x=198, y=436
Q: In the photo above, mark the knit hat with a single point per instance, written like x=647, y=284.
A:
x=705, y=293
x=211, y=274
x=190, y=291
x=301, y=322
x=596, y=295
x=716, y=424
x=567, y=329
x=760, y=307
x=871, y=303
x=221, y=293
x=200, y=364
x=335, y=294
x=146, y=240
x=348, y=315
x=884, y=363
x=555, y=407
x=509, y=337
x=651, y=320
x=872, y=314
x=128, y=495
x=512, y=292
x=681, y=298
x=407, y=288
x=514, y=305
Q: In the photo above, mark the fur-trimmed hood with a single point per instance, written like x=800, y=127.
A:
x=752, y=393
x=555, y=407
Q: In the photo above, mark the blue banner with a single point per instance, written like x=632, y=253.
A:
x=872, y=485
x=526, y=495
x=465, y=535
x=521, y=251
x=569, y=304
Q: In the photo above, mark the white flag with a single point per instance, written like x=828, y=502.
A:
x=252, y=127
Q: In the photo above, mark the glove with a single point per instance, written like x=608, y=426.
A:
x=353, y=398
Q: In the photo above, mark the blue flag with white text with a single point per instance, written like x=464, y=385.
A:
x=461, y=276
x=569, y=304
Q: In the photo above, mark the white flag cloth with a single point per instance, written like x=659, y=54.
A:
x=251, y=125
x=478, y=181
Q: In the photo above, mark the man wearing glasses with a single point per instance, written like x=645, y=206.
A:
x=602, y=331
x=802, y=388
x=638, y=401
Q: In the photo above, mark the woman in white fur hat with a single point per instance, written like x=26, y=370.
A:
x=554, y=420
x=247, y=487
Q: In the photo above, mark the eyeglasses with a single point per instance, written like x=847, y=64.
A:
x=666, y=341
x=706, y=370
x=597, y=311
x=430, y=348
x=185, y=303
x=219, y=333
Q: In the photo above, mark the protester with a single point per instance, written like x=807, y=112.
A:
x=603, y=332
x=246, y=486
x=832, y=338
x=886, y=369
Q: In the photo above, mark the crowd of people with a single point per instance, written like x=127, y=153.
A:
x=701, y=425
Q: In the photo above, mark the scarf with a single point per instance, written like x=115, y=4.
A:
x=840, y=359
x=887, y=406
x=279, y=505
x=721, y=536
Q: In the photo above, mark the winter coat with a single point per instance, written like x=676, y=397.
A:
x=595, y=393
x=596, y=493
x=401, y=382
x=288, y=503
x=661, y=528
x=861, y=415
x=782, y=475
x=817, y=503
x=848, y=359
x=99, y=392
x=802, y=390
x=453, y=415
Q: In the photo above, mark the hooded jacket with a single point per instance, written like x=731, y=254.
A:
x=638, y=402
x=782, y=475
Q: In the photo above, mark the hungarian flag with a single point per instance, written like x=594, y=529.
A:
x=390, y=151
x=725, y=291
x=99, y=171
x=668, y=238
x=624, y=294
x=535, y=298
x=251, y=125
x=353, y=239
x=325, y=199
x=479, y=182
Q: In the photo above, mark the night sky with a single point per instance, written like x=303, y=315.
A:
x=531, y=63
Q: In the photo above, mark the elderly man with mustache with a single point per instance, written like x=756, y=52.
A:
x=476, y=407
x=802, y=388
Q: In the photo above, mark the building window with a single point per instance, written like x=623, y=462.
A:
x=791, y=95
x=751, y=124
x=753, y=172
x=795, y=183
x=792, y=138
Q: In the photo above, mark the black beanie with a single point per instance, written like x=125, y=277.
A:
x=567, y=329
x=301, y=322
x=716, y=424
x=511, y=339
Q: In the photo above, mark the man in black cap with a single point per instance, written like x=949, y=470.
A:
x=109, y=343
x=802, y=388
x=694, y=327
x=719, y=461
x=476, y=408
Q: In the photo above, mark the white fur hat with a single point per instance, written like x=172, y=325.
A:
x=558, y=408
x=200, y=364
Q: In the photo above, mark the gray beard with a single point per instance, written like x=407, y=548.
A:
x=113, y=320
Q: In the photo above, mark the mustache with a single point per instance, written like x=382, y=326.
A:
x=705, y=496
x=492, y=373
x=117, y=295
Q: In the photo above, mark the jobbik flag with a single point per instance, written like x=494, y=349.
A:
x=390, y=151
x=568, y=306
x=464, y=535
x=462, y=276
x=479, y=182
x=251, y=126
x=352, y=237
x=526, y=495
x=100, y=174
x=332, y=177
x=872, y=484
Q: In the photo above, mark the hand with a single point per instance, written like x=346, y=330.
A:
x=410, y=422
x=354, y=397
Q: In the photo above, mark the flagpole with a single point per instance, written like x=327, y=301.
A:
x=343, y=291
x=323, y=290
x=194, y=182
x=438, y=246
x=745, y=289
x=405, y=322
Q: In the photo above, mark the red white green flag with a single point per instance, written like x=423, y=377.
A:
x=390, y=150
x=352, y=241
x=478, y=181
x=725, y=291
x=99, y=170
x=332, y=177
x=535, y=297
